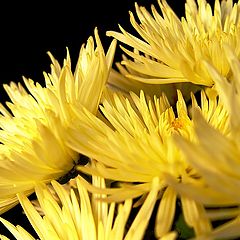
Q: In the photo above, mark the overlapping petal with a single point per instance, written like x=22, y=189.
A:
x=138, y=146
x=78, y=216
x=33, y=125
x=172, y=50
x=216, y=155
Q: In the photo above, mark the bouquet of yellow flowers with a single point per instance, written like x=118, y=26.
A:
x=146, y=150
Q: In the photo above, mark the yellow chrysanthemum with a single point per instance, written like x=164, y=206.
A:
x=219, y=153
x=138, y=146
x=78, y=216
x=32, y=146
x=33, y=132
x=172, y=50
x=217, y=156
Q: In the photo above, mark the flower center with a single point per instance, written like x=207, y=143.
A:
x=177, y=124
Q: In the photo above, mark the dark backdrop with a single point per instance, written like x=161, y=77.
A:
x=29, y=30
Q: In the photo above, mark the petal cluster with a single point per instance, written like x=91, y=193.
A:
x=172, y=50
x=34, y=123
x=138, y=146
x=79, y=216
x=161, y=133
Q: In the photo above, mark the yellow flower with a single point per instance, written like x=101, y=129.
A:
x=32, y=148
x=138, y=146
x=33, y=128
x=212, y=145
x=78, y=216
x=172, y=50
x=216, y=156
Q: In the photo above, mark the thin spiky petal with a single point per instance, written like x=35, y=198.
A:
x=33, y=125
x=172, y=50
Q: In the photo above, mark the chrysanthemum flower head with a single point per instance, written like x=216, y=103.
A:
x=33, y=125
x=172, y=50
x=216, y=155
x=79, y=216
x=32, y=150
x=138, y=146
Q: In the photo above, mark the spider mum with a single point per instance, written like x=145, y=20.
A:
x=137, y=145
x=172, y=50
x=33, y=125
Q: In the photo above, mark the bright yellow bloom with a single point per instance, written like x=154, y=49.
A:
x=216, y=156
x=172, y=50
x=32, y=148
x=138, y=146
x=78, y=216
x=33, y=132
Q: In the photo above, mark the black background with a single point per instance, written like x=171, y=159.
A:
x=29, y=29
